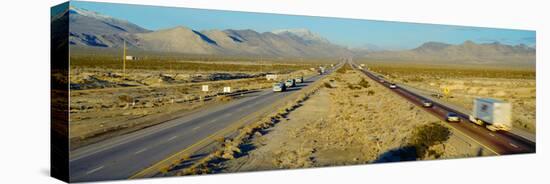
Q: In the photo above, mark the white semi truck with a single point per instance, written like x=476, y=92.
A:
x=321, y=70
x=494, y=114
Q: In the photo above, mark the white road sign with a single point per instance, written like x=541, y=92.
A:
x=227, y=89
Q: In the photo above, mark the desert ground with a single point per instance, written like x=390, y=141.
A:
x=349, y=120
x=517, y=86
x=106, y=102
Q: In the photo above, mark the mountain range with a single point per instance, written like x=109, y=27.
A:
x=90, y=29
x=466, y=53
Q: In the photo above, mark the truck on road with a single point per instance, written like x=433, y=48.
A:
x=299, y=79
x=279, y=87
x=321, y=70
x=494, y=114
x=290, y=83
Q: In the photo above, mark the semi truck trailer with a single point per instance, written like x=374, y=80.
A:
x=494, y=114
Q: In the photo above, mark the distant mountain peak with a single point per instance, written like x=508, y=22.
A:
x=90, y=28
x=87, y=13
x=177, y=29
x=303, y=33
x=295, y=30
x=469, y=42
x=432, y=46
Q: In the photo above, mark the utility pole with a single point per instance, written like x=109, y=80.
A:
x=124, y=60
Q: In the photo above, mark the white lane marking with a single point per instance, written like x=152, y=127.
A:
x=139, y=151
x=196, y=128
x=240, y=109
x=491, y=134
x=515, y=146
x=228, y=114
x=172, y=138
x=94, y=170
x=212, y=121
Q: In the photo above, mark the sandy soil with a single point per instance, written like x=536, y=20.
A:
x=351, y=120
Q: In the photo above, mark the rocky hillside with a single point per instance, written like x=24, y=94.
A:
x=93, y=29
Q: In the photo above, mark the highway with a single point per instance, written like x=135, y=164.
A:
x=499, y=142
x=123, y=156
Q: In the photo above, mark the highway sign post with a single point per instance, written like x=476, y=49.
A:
x=204, y=89
x=227, y=89
x=446, y=91
x=124, y=60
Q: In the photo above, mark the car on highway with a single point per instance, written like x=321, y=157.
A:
x=393, y=86
x=427, y=103
x=473, y=119
x=381, y=80
x=452, y=117
x=290, y=83
x=299, y=79
x=279, y=87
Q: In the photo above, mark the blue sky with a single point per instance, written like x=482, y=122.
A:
x=347, y=32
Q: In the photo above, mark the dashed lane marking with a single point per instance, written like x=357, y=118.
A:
x=139, y=151
x=172, y=138
x=94, y=170
x=212, y=121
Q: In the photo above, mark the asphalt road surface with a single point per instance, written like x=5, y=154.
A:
x=499, y=142
x=123, y=156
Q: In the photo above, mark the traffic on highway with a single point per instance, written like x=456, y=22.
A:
x=499, y=142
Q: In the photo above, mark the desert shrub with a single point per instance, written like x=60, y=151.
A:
x=364, y=83
x=165, y=170
x=428, y=135
x=327, y=85
x=353, y=87
x=183, y=90
x=185, y=157
x=370, y=92
x=224, y=98
x=126, y=98
x=230, y=150
x=416, y=79
x=344, y=68
x=220, y=140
